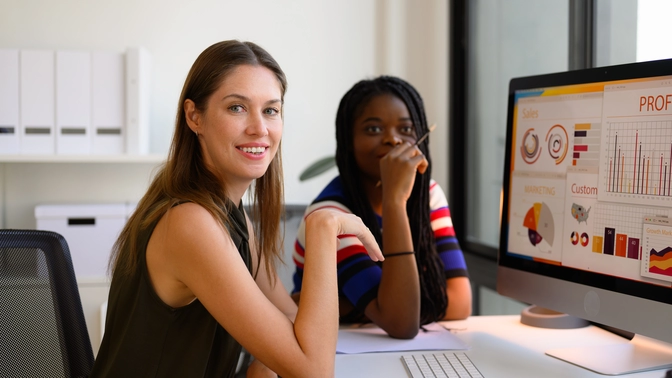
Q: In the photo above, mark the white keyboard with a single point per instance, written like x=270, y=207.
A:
x=440, y=364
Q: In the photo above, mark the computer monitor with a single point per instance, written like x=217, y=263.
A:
x=586, y=225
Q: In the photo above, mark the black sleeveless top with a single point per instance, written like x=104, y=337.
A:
x=144, y=337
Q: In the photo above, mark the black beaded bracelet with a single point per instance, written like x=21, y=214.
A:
x=398, y=254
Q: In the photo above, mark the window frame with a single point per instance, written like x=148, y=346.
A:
x=482, y=258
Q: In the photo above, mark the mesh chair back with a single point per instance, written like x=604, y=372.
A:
x=42, y=328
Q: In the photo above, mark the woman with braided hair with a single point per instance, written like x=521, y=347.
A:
x=385, y=179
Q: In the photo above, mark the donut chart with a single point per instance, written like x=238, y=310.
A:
x=540, y=224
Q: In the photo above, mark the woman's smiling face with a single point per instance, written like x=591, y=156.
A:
x=241, y=128
x=384, y=122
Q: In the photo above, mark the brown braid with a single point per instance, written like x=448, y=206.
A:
x=430, y=267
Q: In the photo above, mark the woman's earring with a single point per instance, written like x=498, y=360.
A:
x=196, y=131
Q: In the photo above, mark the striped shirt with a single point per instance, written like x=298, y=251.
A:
x=358, y=275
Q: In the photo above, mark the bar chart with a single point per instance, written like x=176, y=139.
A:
x=636, y=162
x=586, y=146
x=618, y=229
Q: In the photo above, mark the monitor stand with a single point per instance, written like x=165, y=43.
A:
x=536, y=316
x=639, y=354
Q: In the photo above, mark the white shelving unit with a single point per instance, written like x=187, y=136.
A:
x=28, y=180
x=152, y=158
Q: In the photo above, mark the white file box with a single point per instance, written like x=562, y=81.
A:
x=37, y=102
x=108, y=96
x=89, y=229
x=138, y=82
x=9, y=102
x=73, y=102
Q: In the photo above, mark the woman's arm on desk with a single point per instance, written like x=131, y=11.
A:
x=205, y=261
x=459, y=298
x=396, y=308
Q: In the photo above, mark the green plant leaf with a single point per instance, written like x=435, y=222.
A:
x=317, y=168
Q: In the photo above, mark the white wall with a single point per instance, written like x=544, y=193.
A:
x=324, y=48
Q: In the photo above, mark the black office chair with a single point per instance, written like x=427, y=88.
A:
x=42, y=328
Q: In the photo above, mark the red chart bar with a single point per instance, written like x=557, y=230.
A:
x=581, y=148
x=633, y=248
x=621, y=244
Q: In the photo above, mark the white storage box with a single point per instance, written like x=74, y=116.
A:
x=90, y=231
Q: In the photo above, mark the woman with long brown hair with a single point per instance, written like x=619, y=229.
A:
x=193, y=278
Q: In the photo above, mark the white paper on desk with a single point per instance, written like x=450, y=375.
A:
x=369, y=339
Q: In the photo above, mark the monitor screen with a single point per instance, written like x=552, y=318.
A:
x=586, y=225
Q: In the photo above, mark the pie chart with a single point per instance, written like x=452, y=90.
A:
x=539, y=223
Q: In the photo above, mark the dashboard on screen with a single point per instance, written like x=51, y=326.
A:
x=591, y=178
x=586, y=224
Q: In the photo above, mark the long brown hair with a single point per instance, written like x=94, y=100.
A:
x=430, y=268
x=184, y=176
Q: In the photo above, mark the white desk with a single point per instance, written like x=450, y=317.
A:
x=501, y=346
